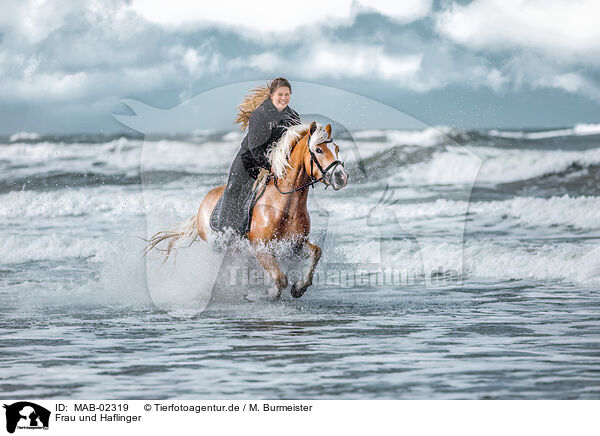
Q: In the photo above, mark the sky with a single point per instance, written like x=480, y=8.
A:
x=68, y=66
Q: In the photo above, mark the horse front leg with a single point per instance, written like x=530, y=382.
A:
x=269, y=263
x=314, y=254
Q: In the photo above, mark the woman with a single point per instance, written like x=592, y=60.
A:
x=266, y=114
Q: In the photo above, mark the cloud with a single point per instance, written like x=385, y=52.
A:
x=33, y=21
x=570, y=82
x=338, y=60
x=273, y=16
x=45, y=86
x=402, y=11
x=87, y=51
x=341, y=60
x=197, y=61
x=551, y=44
x=564, y=31
x=490, y=77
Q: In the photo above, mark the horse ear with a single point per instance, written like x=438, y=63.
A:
x=313, y=127
x=328, y=128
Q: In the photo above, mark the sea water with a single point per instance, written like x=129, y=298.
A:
x=456, y=264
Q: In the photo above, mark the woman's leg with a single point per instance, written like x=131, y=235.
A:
x=239, y=187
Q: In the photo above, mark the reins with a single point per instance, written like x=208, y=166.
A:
x=313, y=179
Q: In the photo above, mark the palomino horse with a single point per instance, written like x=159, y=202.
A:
x=301, y=158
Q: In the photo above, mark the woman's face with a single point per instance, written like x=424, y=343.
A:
x=281, y=97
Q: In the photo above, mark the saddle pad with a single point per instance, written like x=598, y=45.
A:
x=247, y=210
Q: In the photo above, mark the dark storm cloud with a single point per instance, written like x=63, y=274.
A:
x=75, y=60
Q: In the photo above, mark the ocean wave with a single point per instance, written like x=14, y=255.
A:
x=426, y=138
x=425, y=157
x=457, y=165
x=578, y=130
x=118, y=157
x=108, y=201
x=66, y=180
x=24, y=136
x=495, y=261
x=120, y=154
x=54, y=246
x=570, y=262
x=72, y=202
x=491, y=258
x=586, y=129
x=581, y=213
x=183, y=156
x=531, y=135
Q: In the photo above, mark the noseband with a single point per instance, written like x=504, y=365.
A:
x=325, y=173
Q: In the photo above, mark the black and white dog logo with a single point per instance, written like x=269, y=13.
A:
x=26, y=415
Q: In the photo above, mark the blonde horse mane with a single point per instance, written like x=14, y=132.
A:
x=279, y=156
x=252, y=100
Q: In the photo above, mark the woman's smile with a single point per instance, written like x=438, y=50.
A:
x=281, y=97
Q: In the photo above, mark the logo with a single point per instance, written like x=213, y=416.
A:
x=26, y=415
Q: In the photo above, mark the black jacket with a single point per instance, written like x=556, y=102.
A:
x=266, y=126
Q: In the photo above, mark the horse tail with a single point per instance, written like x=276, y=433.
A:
x=185, y=232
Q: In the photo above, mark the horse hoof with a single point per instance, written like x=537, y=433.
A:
x=298, y=292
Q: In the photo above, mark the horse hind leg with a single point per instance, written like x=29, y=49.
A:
x=204, y=211
x=269, y=263
x=314, y=254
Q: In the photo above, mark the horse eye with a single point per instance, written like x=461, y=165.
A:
x=318, y=150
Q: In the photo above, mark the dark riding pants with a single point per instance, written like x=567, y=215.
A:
x=239, y=188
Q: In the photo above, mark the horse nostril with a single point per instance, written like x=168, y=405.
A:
x=340, y=178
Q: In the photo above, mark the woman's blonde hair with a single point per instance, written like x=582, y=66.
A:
x=255, y=98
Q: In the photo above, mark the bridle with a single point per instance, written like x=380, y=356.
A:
x=326, y=173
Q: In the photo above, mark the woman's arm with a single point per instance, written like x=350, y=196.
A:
x=259, y=131
x=292, y=118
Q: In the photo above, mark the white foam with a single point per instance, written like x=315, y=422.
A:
x=577, y=130
x=456, y=165
x=587, y=129
x=107, y=201
x=27, y=136
x=573, y=212
x=426, y=138
x=183, y=283
x=122, y=275
x=53, y=246
x=531, y=135
x=234, y=136
x=507, y=134
x=117, y=157
x=570, y=262
x=579, y=212
x=549, y=134
x=203, y=132
x=170, y=155
x=567, y=261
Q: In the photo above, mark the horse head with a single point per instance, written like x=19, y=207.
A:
x=321, y=161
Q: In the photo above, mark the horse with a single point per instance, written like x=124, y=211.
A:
x=300, y=159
